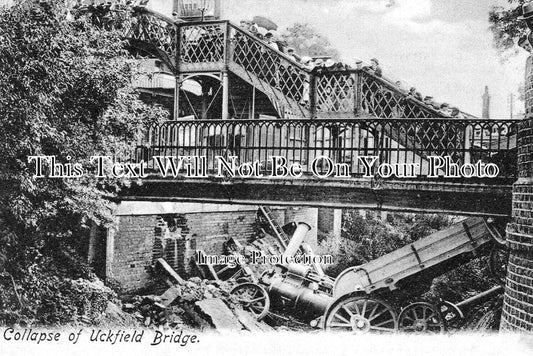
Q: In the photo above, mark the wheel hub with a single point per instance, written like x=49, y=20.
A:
x=359, y=324
x=420, y=325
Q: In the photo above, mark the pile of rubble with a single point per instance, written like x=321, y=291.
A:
x=207, y=304
x=194, y=304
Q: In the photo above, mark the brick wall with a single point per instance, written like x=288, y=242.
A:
x=518, y=300
x=326, y=219
x=329, y=224
x=132, y=253
x=213, y=229
x=141, y=239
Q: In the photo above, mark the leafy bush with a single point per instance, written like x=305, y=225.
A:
x=65, y=91
x=366, y=238
x=44, y=295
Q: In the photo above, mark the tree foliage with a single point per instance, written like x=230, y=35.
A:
x=367, y=238
x=506, y=26
x=306, y=41
x=65, y=90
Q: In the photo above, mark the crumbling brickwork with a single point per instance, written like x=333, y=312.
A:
x=213, y=229
x=141, y=239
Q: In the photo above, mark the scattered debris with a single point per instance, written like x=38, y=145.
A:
x=114, y=316
x=219, y=314
x=196, y=304
x=170, y=296
x=250, y=323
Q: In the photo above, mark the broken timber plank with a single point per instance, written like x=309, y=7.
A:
x=199, y=268
x=213, y=272
x=170, y=271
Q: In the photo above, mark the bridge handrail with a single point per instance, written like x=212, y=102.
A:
x=453, y=121
x=268, y=48
x=326, y=72
x=394, y=141
x=406, y=96
x=160, y=16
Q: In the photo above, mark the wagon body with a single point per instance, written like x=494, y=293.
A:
x=427, y=253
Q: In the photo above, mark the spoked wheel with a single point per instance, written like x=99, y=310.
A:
x=421, y=317
x=253, y=298
x=498, y=263
x=360, y=314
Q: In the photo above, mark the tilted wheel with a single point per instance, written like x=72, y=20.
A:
x=253, y=298
x=421, y=317
x=498, y=263
x=360, y=314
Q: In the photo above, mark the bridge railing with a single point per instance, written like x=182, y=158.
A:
x=322, y=92
x=381, y=98
x=216, y=45
x=202, y=46
x=152, y=28
x=290, y=80
x=319, y=144
x=192, y=47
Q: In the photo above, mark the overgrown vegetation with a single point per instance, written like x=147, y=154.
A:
x=365, y=238
x=507, y=27
x=65, y=90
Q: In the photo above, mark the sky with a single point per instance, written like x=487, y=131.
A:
x=442, y=47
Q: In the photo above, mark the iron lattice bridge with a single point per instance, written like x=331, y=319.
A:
x=200, y=48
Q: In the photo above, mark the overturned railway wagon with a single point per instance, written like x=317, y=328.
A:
x=356, y=300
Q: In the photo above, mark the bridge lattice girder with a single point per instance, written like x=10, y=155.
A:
x=294, y=90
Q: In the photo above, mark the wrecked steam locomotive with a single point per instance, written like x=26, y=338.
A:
x=356, y=300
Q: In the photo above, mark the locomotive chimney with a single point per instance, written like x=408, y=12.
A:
x=296, y=239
